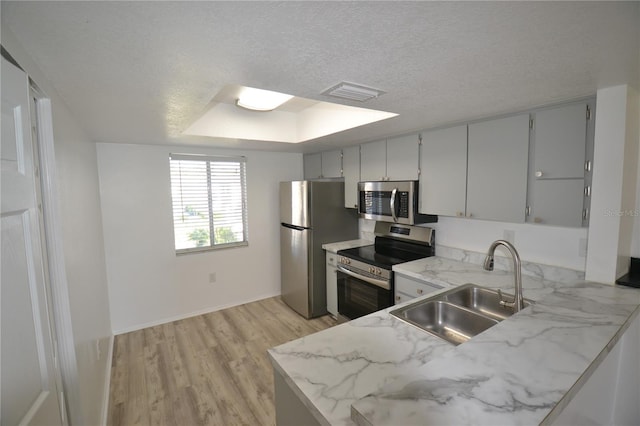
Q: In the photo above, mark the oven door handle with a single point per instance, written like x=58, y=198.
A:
x=392, y=204
x=379, y=283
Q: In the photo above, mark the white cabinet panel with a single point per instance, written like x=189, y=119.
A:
x=559, y=141
x=332, y=164
x=411, y=288
x=558, y=202
x=373, y=161
x=332, y=284
x=312, y=166
x=351, y=173
x=443, y=180
x=403, y=158
x=497, y=169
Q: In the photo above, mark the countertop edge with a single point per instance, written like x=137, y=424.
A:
x=586, y=375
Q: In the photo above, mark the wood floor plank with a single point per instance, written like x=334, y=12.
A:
x=207, y=370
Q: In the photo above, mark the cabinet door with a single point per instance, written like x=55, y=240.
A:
x=557, y=202
x=351, y=173
x=332, y=164
x=559, y=140
x=332, y=284
x=443, y=177
x=403, y=158
x=497, y=169
x=312, y=166
x=373, y=161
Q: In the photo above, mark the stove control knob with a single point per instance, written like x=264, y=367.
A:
x=372, y=270
x=378, y=271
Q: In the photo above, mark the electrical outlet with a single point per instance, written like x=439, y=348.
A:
x=582, y=247
x=212, y=277
x=509, y=235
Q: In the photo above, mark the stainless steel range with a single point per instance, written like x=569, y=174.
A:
x=365, y=277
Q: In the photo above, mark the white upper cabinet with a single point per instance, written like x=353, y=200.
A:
x=557, y=185
x=559, y=142
x=312, y=166
x=332, y=164
x=326, y=164
x=393, y=159
x=443, y=177
x=351, y=172
x=557, y=202
x=497, y=169
x=373, y=161
x=403, y=158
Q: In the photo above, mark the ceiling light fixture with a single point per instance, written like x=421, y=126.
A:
x=261, y=100
x=353, y=92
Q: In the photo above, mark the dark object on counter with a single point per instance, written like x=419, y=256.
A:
x=632, y=279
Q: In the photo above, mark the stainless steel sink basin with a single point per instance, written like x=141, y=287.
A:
x=459, y=314
x=482, y=300
x=445, y=320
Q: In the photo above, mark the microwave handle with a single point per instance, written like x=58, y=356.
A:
x=392, y=204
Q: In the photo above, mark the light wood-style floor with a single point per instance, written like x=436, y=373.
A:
x=212, y=369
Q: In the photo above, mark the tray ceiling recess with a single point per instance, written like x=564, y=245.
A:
x=294, y=120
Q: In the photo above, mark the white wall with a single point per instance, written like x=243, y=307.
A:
x=635, y=242
x=83, y=245
x=148, y=283
x=614, y=184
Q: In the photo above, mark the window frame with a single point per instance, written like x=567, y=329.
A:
x=208, y=159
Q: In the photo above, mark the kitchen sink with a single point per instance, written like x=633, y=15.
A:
x=446, y=320
x=482, y=300
x=459, y=314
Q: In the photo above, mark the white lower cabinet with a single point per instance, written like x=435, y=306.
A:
x=332, y=284
x=407, y=288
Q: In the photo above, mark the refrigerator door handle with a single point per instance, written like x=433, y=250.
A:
x=295, y=227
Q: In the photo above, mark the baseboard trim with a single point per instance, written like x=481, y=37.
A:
x=107, y=382
x=190, y=314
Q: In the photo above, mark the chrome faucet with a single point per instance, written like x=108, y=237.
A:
x=518, y=302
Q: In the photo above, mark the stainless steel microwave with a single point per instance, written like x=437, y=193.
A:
x=391, y=201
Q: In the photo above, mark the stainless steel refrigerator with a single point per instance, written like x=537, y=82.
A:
x=312, y=213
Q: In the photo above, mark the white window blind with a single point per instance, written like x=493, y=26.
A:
x=209, y=197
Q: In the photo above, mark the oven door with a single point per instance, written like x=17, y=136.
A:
x=357, y=297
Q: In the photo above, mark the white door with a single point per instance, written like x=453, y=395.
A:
x=28, y=386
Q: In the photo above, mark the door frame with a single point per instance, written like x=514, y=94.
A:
x=64, y=343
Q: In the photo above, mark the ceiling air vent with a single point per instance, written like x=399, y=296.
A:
x=353, y=92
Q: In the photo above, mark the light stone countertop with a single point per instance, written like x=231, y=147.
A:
x=379, y=370
x=343, y=245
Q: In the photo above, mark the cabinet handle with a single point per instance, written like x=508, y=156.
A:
x=398, y=298
x=459, y=214
x=469, y=215
x=420, y=291
x=538, y=173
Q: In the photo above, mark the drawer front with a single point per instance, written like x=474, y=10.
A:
x=412, y=287
x=400, y=298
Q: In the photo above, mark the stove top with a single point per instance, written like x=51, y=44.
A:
x=387, y=252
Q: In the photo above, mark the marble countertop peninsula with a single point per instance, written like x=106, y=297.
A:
x=343, y=245
x=377, y=370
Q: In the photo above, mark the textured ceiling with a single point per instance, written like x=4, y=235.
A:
x=141, y=72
